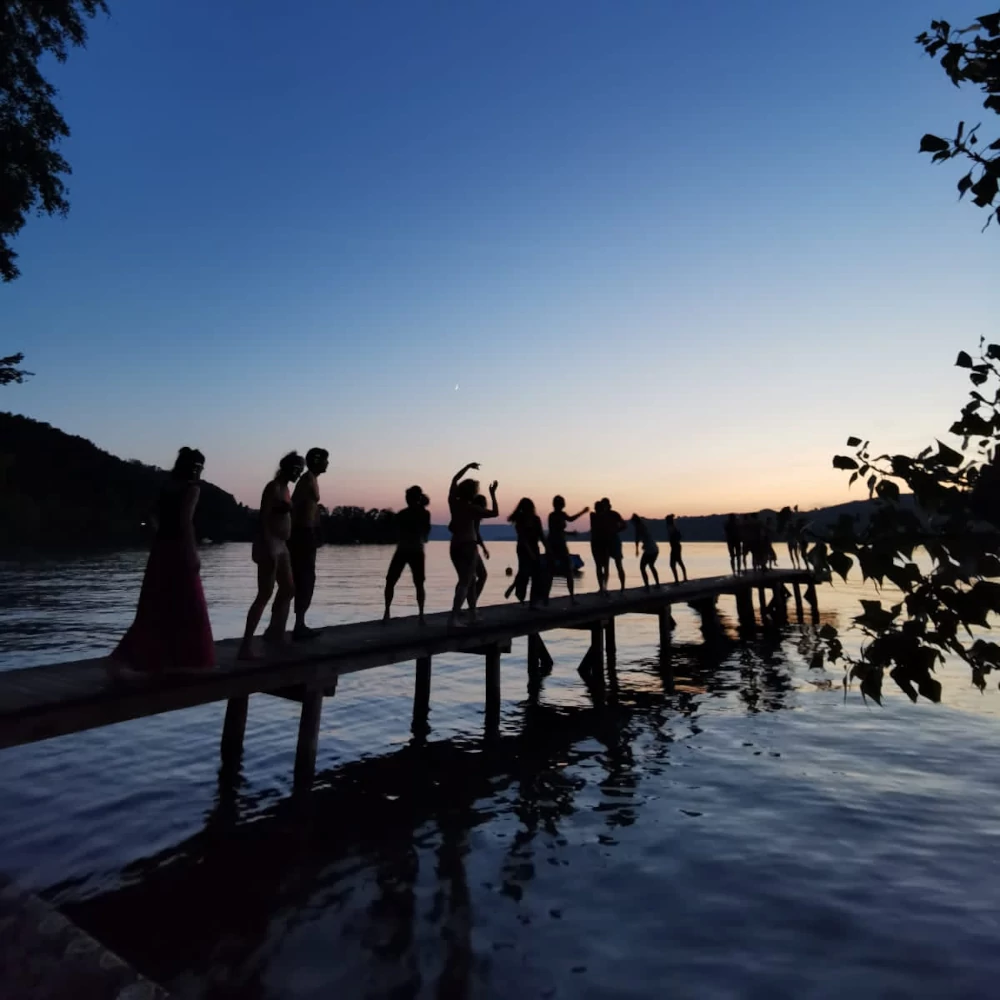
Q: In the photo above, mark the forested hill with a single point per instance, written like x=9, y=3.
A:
x=59, y=491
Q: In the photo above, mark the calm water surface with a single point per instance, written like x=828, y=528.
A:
x=755, y=834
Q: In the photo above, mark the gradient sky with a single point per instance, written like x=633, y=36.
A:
x=671, y=252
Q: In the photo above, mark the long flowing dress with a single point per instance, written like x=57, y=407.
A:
x=171, y=630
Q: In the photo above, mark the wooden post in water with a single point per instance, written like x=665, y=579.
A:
x=421, y=697
x=813, y=601
x=666, y=664
x=597, y=658
x=233, y=729
x=762, y=600
x=492, y=690
x=305, y=751
x=611, y=652
x=744, y=610
x=797, y=590
x=779, y=603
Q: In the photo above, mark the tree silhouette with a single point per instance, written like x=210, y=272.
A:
x=31, y=126
x=9, y=372
x=970, y=55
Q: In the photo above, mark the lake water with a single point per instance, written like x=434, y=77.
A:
x=755, y=834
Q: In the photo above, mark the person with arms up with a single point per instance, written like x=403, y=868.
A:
x=558, y=550
x=464, y=526
x=304, y=540
x=650, y=550
x=413, y=526
x=171, y=631
x=270, y=553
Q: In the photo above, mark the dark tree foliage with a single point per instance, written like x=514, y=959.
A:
x=355, y=525
x=942, y=551
x=9, y=371
x=970, y=55
x=31, y=126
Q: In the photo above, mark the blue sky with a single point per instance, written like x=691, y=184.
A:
x=669, y=252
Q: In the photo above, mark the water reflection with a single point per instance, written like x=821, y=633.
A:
x=378, y=854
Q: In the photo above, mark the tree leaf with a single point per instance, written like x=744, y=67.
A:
x=964, y=184
x=853, y=442
x=844, y=462
x=963, y=360
x=840, y=563
x=933, y=144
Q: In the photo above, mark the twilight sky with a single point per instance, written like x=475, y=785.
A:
x=671, y=252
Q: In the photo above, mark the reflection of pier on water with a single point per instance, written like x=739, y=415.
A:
x=378, y=853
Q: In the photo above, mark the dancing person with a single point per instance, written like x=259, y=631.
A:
x=481, y=574
x=614, y=527
x=558, y=550
x=304, y=539
x=413, y=527
x=171, y=631
x=464, y=526
x=674, y=537
x=650, y=550
x=733, y=542
x=270, y=553
x=530, y=542
x=599, y=544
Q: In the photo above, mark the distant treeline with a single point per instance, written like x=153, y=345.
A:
x=58, y=491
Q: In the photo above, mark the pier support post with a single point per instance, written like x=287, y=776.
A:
x=492, y=690
x=762, y=600
x=708, y=613
x=233, y=729
x=666, y=663
x=421, y=697
x=813, y=602
x=305, y=751
x=597, y=657
x=779, y=604
x=744, y=610
x=611, y=654
x=797, y=590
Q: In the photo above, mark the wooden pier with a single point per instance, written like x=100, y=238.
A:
x=37, y=703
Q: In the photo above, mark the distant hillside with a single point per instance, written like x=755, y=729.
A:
x=59, y=491
x=705, y=528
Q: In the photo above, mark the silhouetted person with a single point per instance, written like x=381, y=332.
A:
x=530, y=542
x=650, y=550
x=481, y=574
x=615, y=526
x=674, y=537
x=746, y=541
x=171, y=630
x=413, y=526
x=794, y=540
x=733, y=542
x=270, y=553
x=558, y=550
x=464, y=526
x=599, y=548
x=304, y=540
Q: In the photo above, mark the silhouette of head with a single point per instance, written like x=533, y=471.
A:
x=467, y=489
x=634, y=518
x=559, y=503
x=317, y=460
x=290, y=467
x=603, y=504
x=415, y=497
x=479, y=500
x=524, y=508
x=669, y=519
x=189, y=464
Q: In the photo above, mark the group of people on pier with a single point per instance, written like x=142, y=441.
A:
x=172, y=631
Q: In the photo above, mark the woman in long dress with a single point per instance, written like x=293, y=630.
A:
x=270, y=553
x=171, y=631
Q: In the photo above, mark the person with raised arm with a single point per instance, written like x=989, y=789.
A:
x=481, y=573
x=171, y=631
x=464, y=526
x=558, y=550
x=270, y=553
x=304, y=540
x=650, y=550
x=413, y=527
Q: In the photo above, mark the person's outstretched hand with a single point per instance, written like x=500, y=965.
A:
x=493, y=486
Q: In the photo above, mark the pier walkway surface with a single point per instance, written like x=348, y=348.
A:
x=37, y=703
